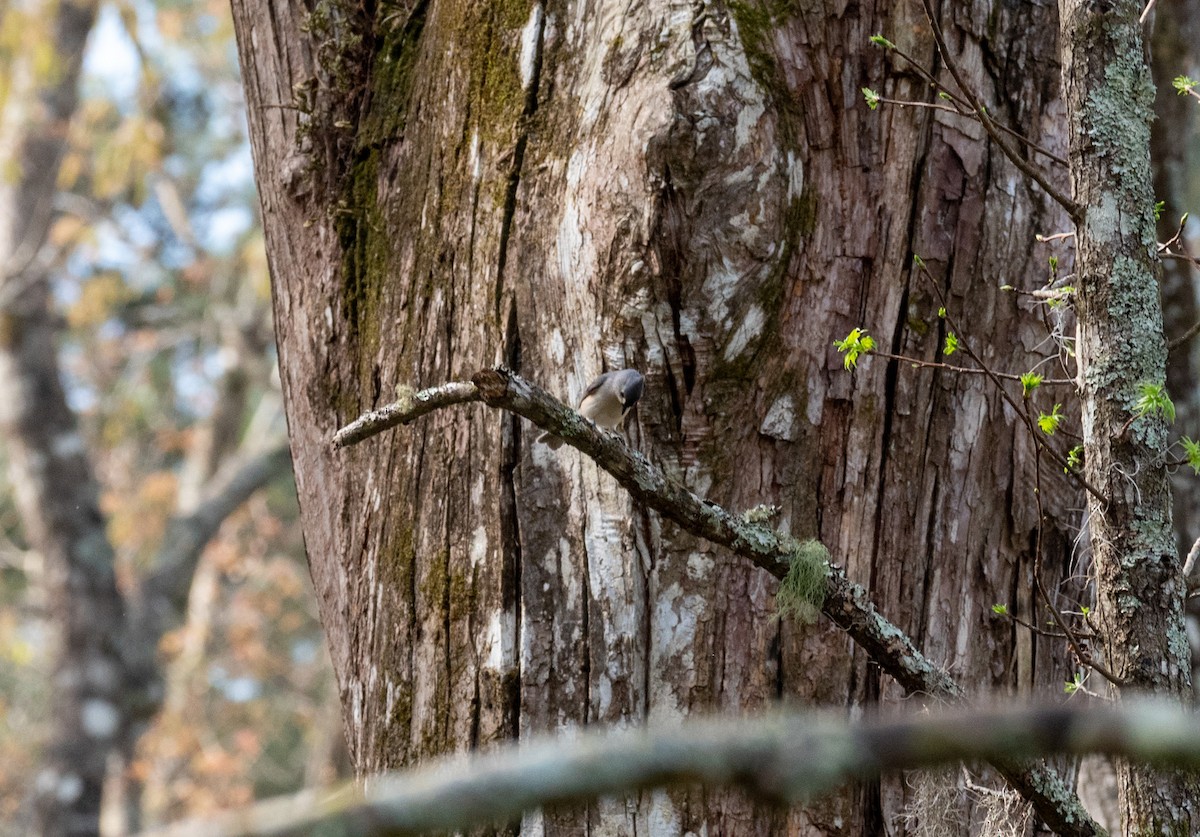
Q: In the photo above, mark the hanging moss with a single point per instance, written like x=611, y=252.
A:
x=802, y=591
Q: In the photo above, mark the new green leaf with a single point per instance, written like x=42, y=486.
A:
x=1191, y=450
x=1153, y=400
x=857, y=342
x=1049, y=422
x=1029, y=382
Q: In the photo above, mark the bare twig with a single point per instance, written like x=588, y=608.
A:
x=187, y=536
x=1177, y=237
x=409, y=407
x=784, y=757
x=1082, y=652
x=996, y=382
x=969, y=370
x=1165, y=252
x=991, y=126
x=1025, y=623
x=1180, y=257
x=961, y=106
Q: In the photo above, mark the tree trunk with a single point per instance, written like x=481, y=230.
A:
x=697, y=191
x=1139, y=583
x=56, y=493
x=1176, y=32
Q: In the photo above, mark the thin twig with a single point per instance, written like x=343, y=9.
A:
x=963, y=108
x=1032, y=627
x=995, y=379
x=1185, y=337
x=933, y=364
x=1082, y=654
x=904, y=103
x=1166, y=245
x=1180, y=257
x=1073, y=209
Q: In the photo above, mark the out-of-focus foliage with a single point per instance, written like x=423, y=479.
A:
x=23, y=685
x=250, y=688
x=167, y=351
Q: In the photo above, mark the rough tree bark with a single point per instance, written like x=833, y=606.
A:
x=694, y=189
x=1139, y=583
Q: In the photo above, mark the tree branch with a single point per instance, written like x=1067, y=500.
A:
x=960, y=106
x=784, y=758
x=846, y=603
x=161, y=598
x=187, y=536
x=991, y=126
x=409, y=407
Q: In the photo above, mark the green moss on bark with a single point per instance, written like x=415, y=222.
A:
x=462, y=593
x=756, y=25
x=392, y=73
x=491, y=33
x=396, y=561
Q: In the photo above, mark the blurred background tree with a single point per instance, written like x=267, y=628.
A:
x=131, y=245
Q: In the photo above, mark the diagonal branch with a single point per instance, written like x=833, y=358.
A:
x=408, y=408
x=959, y=105
x=168, y=583
x=846, y=603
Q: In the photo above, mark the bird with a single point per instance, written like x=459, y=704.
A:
x=606, y=401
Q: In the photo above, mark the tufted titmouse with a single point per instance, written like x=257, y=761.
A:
x=606, y=401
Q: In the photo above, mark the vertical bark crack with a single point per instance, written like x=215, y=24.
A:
x=538, y=21
x=585, y=627
x=510, y=525
x=885, y=436
x=647, y=568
